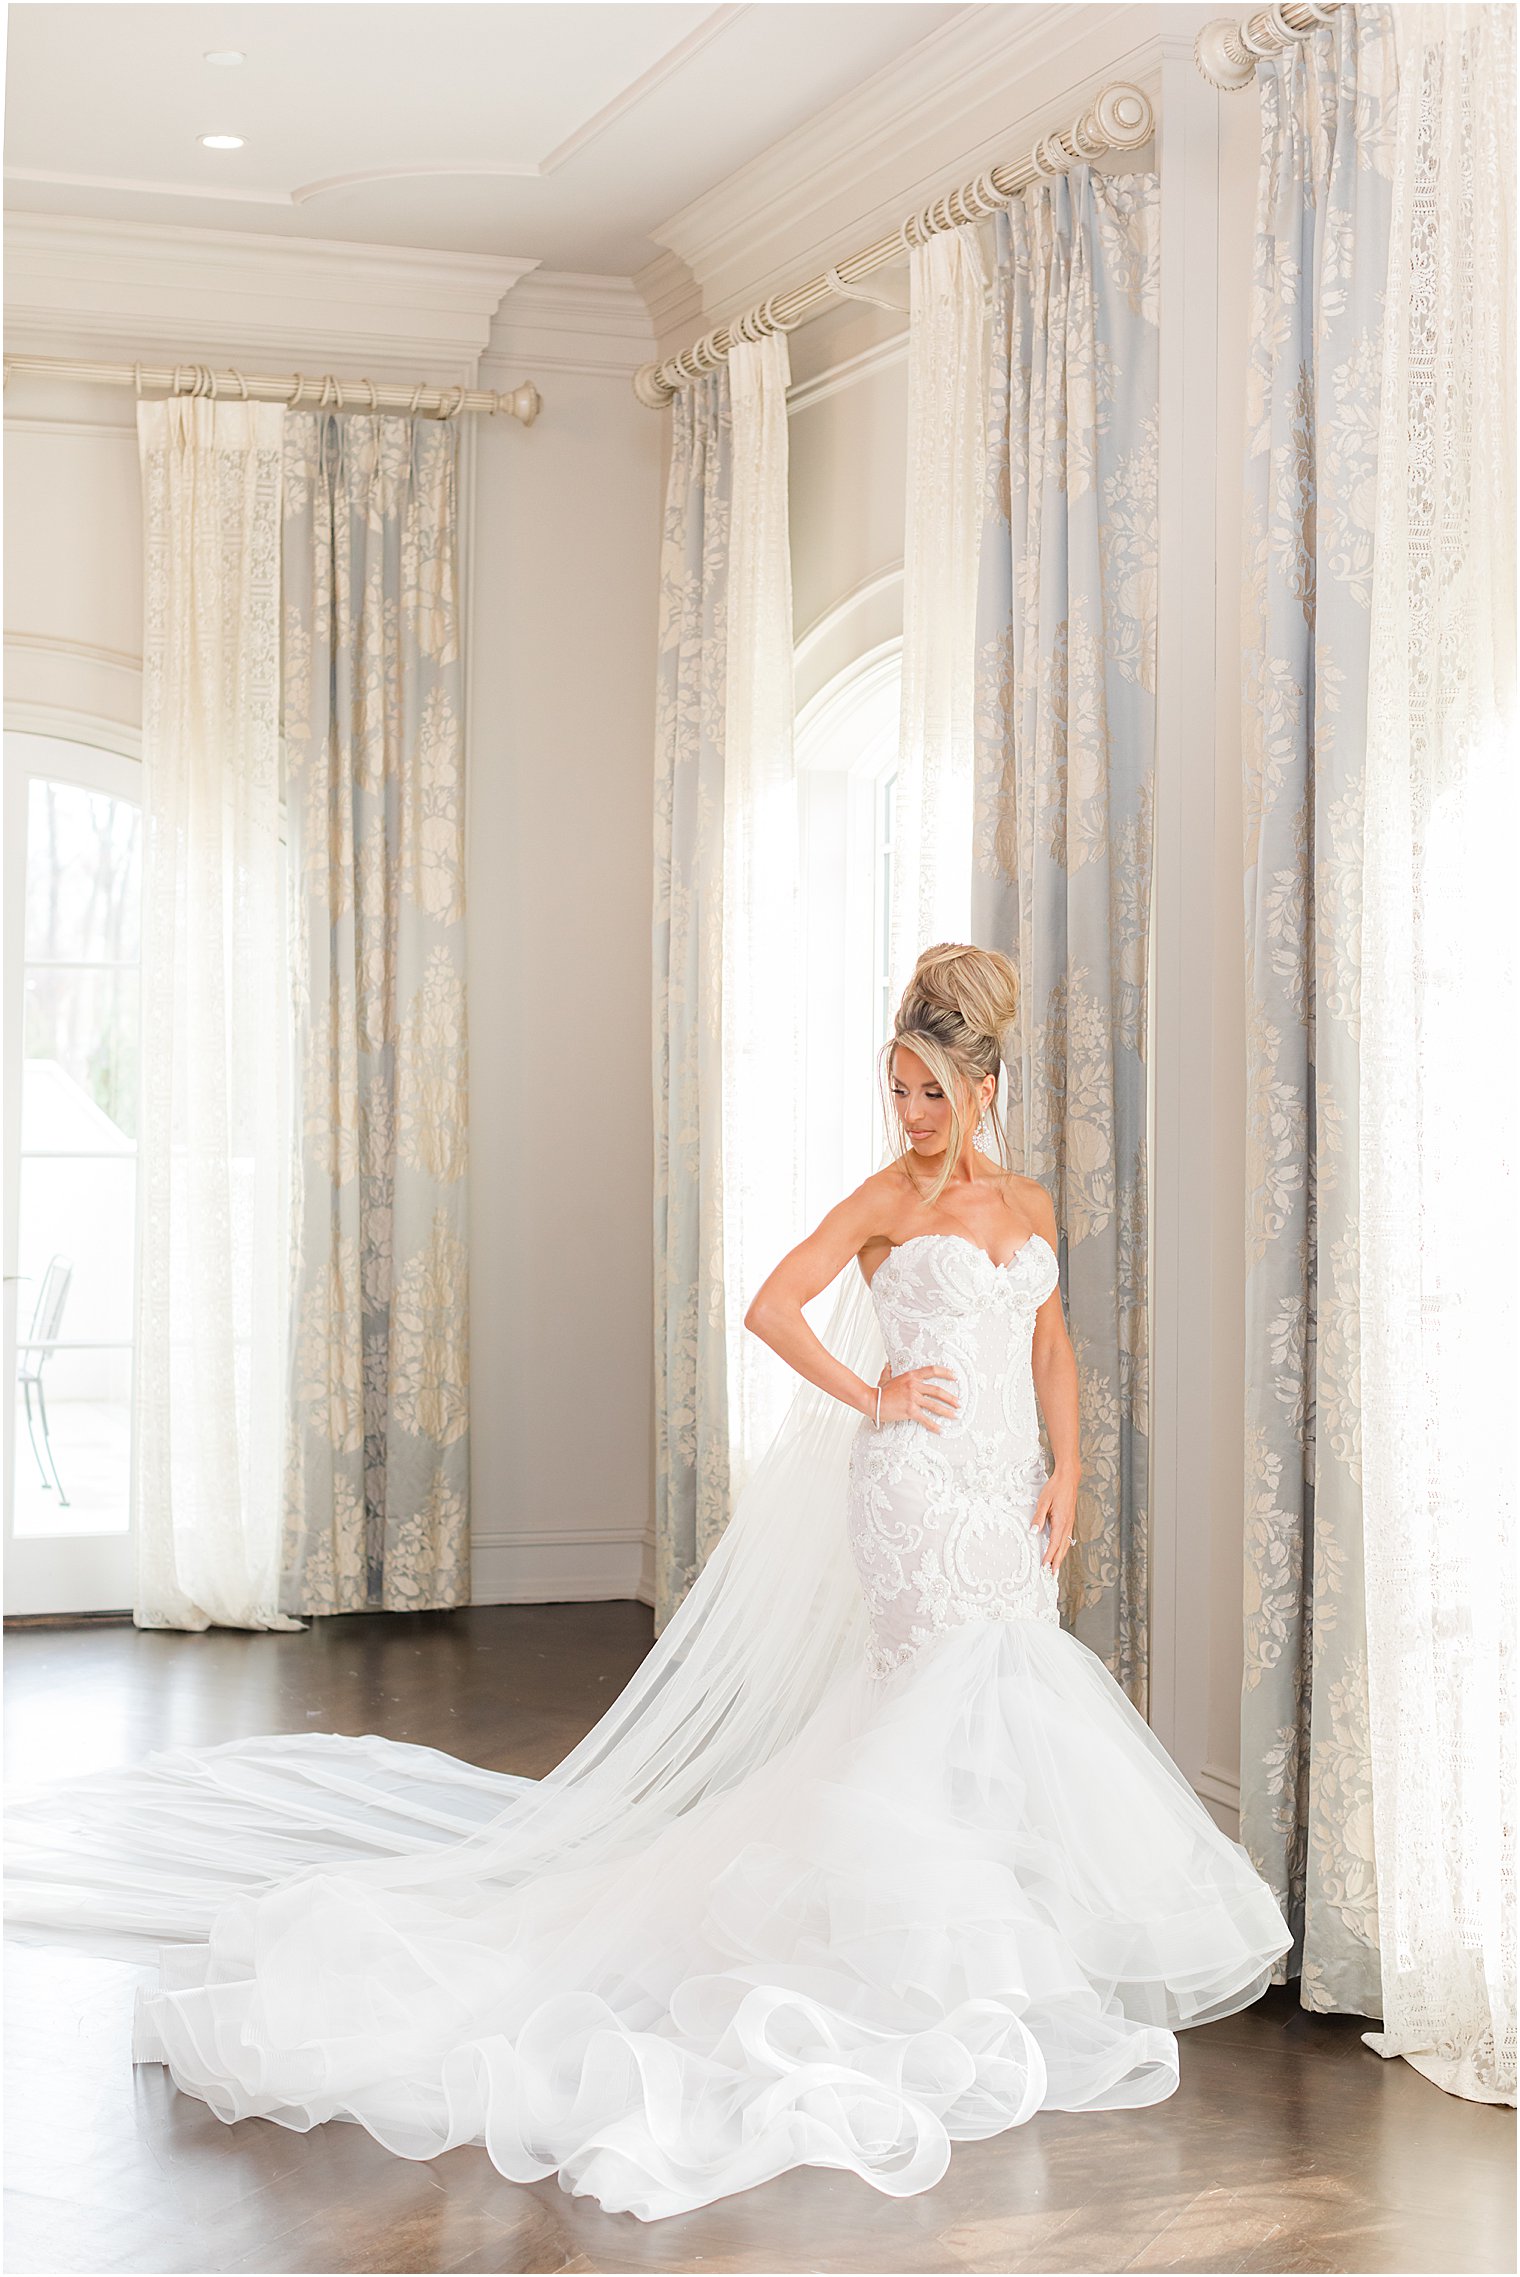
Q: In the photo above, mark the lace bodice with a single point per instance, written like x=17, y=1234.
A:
x=940, y=1521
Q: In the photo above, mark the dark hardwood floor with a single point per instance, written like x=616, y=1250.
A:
x=1289, y=2145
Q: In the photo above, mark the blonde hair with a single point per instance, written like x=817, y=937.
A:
x=954, y=1014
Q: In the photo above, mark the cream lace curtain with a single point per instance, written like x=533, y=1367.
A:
x=213, y=1146
x=1066, y=695
x=762, y=982
x=1320, y=267
x=1438, y=1093
x=691, y=1487
x=931, y=857
x=377, y=1500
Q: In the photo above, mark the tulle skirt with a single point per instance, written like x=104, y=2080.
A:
x=971, y=1890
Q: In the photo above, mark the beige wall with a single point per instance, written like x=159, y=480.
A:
x=561, y=831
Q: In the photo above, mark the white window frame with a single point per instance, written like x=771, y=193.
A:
x=846, y=748
x=45, y=1573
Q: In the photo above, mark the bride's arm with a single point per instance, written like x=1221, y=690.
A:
x=775, y=1313
x=1053, y=1363
x=1054, y=1366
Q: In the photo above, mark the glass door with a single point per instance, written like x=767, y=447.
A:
x=73, y=903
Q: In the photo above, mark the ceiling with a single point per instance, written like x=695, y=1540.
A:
x=562, y=131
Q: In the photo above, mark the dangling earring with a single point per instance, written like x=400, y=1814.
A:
x=983, y=1135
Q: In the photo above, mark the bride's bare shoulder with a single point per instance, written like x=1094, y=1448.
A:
x=883, y=1195
x=878, y=1213
x=1038, y=1205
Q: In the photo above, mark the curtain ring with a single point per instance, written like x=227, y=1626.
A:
x=417, y=393
x=298, y=390
x=1274, y=38
x=457, y=406
x=1045, y=167
x=242, y=380
x=137, y=380
x=369, y=383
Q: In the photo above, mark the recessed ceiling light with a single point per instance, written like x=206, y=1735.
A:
x=225, y=56
x=221, y=142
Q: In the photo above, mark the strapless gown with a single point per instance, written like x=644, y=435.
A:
x=973, y=1887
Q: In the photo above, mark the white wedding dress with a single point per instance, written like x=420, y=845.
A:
x=871, y=1856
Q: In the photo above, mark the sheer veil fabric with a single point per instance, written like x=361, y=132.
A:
x=779, y=1907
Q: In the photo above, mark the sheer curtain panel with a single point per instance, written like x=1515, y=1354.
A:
x=1065, y=753
x=947, y=351
x=1438, y=1092
x=377, y=1494
x=213, y=1160
x=762, y=980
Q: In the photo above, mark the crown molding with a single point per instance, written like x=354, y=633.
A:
x=183, y=292
x=562, y=320
x=977, y=91
x=674, y=300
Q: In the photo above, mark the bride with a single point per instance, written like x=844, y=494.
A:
x=871, y=1856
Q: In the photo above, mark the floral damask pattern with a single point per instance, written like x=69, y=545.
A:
x=1066, y=676
x=1320, y=266
x=691, y=1363
x=377, y=1475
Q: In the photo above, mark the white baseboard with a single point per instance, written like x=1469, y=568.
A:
x=583, y=1565
x=1220, y=1790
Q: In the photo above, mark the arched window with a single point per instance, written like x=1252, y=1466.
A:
x=846, y=745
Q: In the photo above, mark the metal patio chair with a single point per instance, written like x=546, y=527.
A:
x=33, y=1356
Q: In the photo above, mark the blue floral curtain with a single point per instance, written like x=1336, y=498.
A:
x=691, y=1398
x=1319, y=270
x=377, y=1480
x=1066, y=687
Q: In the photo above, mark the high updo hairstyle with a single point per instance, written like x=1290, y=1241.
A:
x=955, y=1013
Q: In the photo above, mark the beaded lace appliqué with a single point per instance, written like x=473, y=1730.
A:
x=940, y=1522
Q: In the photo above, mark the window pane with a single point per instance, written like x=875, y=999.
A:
x=79, y=1084
x=73, y=1413
x=84, y=1213
x=74, y=1450
x=83, y=895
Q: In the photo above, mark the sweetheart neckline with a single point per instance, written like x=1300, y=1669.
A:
x=999, y=1265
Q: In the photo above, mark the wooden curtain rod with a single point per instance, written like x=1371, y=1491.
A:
x=322, y=393
x=1120, y=118
x=1227, y=52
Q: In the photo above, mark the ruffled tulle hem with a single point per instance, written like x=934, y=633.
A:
x=972, y=1890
